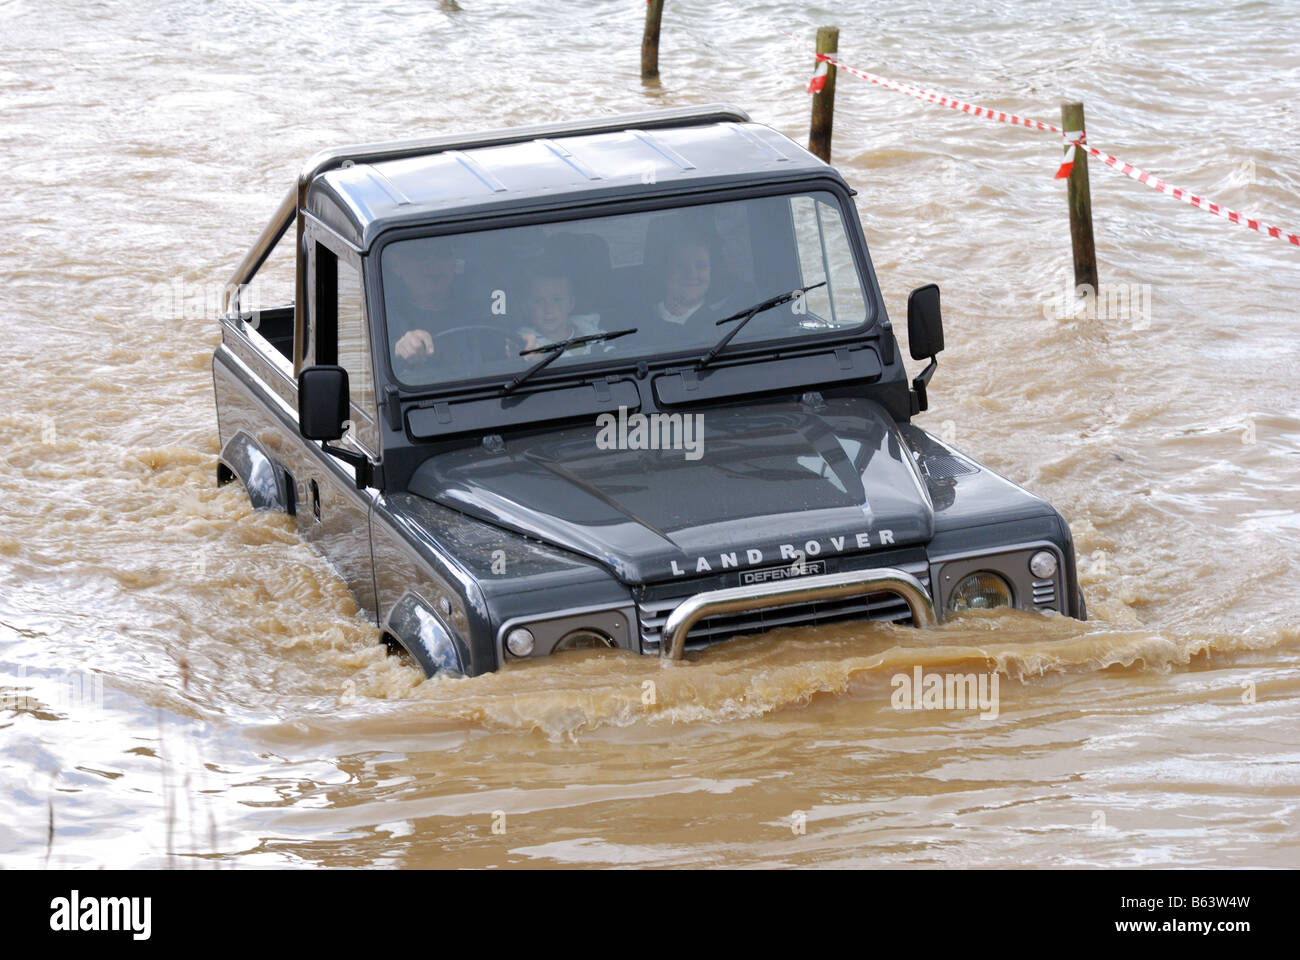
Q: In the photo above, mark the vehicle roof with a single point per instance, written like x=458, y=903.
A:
x=360, y=200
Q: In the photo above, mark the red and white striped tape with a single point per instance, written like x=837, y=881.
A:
x=818, y=80
x=1076, y=140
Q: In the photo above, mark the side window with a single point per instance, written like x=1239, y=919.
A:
x=825, y=254
x=343, y=337
x=354, y=356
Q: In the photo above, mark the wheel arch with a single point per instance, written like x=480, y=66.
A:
x=415, y=626
x=268, y=485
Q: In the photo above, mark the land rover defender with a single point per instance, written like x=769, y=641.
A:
x=627, y=383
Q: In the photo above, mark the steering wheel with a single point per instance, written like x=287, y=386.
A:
x=501, y=336
x=447, y=358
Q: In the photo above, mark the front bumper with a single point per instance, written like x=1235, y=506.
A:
x=804, y=590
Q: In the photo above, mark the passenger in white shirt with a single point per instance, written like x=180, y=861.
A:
x=549, y=309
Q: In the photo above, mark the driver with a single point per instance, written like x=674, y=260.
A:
x=424, y=301
x=420, y=296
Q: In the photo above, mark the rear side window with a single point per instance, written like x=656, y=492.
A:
x=342, y=337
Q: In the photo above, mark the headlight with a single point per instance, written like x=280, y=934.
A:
x=583, y=640
x=519, y=642
x=980, y=591
x=1043, y=565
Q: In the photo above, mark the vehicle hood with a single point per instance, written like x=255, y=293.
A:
x=752, y=488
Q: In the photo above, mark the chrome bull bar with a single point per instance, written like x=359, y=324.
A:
x=833, y=586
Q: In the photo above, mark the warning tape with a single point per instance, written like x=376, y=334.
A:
x=1074, y=138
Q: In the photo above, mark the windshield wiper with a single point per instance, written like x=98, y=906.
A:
x=556, y=349
x=749, y=313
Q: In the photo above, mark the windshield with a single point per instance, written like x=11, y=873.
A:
x=465, y=306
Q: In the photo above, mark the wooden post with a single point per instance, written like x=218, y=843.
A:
x=654, y=11
x=823, y=103
x=1085, y=254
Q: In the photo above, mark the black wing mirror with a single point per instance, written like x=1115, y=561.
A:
x=924, y=338
x=323, y=415
x=924, y=322
x=323, y=402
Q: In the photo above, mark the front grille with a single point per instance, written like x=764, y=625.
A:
x=881, y=607
x=1045, y=594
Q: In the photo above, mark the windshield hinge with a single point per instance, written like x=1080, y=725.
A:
x=887, y=343
x=393, y=407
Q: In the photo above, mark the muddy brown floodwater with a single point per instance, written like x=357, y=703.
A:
x=186, y=683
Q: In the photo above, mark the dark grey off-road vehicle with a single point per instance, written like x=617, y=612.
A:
x=626, y=383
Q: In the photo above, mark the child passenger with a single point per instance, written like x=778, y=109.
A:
x=548, y=309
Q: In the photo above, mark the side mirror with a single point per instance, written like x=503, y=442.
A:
x=322, y=402
x=924, y=322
